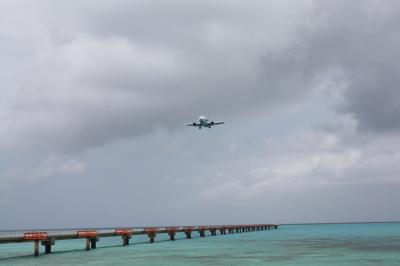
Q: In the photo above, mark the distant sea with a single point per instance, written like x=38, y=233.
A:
x=317, y=244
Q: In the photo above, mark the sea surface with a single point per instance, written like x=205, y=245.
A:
x=319, y=244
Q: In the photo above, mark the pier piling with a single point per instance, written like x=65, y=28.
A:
x=47, y=245
x=87, y=244
x=91, y=238
x=188, y=232
x=151, y=233
x=171, y=232
x=202, y=233
x=36, y=251
x=125, y=240
x=93, y=242
x=125, y=234
x=213, y=231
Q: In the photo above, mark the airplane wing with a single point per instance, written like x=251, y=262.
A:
x=219, y=123
x=192, y=124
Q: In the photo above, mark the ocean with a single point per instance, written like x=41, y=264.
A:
x=316, y=244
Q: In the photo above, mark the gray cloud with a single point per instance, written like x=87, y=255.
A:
x=360, y=38
x=103, y=77
x=81, y=75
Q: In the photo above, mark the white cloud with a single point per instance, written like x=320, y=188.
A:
x=307, y=160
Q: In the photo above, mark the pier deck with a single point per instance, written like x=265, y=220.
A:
x=49, y=237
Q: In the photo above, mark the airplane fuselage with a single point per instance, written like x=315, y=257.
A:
x=203, y=122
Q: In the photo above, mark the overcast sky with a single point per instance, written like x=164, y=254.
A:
x=93, y=95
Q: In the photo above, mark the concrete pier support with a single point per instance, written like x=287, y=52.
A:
x=171, y=236
x=36, y=248
x=172, y=232
x=213, y=231
x=151, y=236
x=151, y=233
x=125, y=233
x=87, y=244
x=188, y=231
x=47, y=249
x=202, y=233
x=93, y=242
x=125, y=240
x=91, y=237
x=47, y=245
x=222, y=231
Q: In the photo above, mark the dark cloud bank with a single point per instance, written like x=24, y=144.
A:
x=84, y=74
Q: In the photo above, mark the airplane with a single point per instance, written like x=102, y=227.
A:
x=204, y=122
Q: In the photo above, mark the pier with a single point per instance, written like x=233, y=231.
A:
x=49, y=238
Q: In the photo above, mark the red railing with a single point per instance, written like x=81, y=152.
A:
x=87, y=233
x=151, y=230
x=124, y=232
x=35, y=236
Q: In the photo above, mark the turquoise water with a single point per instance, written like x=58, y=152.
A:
x=330, y=244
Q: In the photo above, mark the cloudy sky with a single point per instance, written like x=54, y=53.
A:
x=93, y=95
